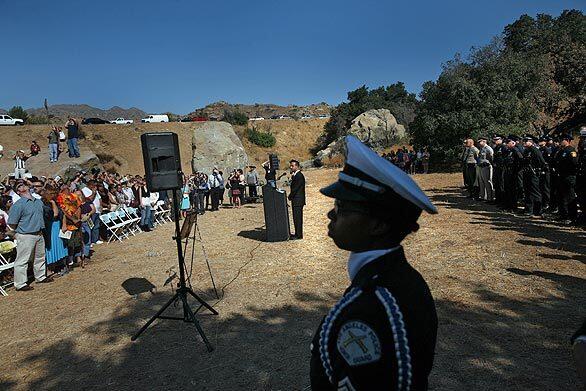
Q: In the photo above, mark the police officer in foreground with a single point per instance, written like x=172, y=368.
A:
x=381, y=335
x=567, y=166
x=500, y=150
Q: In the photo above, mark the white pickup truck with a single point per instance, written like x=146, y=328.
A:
x=8, y=120
x=122, y=121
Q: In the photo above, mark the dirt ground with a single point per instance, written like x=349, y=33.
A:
x=509, y=292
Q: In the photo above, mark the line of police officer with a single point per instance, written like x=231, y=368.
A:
x=547, y=175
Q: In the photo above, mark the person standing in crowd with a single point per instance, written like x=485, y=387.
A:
x=202, y=188
x=53, y=145
x=499, y=150
x=252, y=182
x=382, y=333
x=297, y=197
x=70, y=204
x=426, y=157
x=512, y=163
x=545, y=175
x=55, y=248
x=216, y=184
x=567, y=165
x=520, y=173
x=27, y=219
x=96, y=199
x=270, y=174
x=485, y=158
x=533, y=165
x=72, y=136
x=234, y=182
x=553, y=144
x=87, y=208
x=20, y=164
x=145, y=207
x=185, y=201
x=469, y=158
x=35, y=148
x=581, y=176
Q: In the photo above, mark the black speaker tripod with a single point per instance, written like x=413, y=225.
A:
x=182, y=292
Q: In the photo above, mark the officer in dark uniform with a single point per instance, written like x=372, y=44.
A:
x=533, y=165
x=544, y=177
x=500, y=150
x=581, y=176
x=554, y=145
x=567, y=165
x=520, y=189
x=512, y=163
x=381, y=335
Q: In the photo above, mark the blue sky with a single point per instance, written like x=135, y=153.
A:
x=176, y=55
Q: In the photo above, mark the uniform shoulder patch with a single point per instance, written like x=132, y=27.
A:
x=358, y=343
x=573, y=154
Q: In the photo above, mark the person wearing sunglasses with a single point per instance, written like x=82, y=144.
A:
x=381, y=335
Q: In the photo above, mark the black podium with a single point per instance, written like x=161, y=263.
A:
x=276, y=214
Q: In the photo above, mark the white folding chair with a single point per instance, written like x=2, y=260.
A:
x=133, y=220
x=4, y=266
x=110, y=222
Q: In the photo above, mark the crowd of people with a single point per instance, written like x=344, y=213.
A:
x=535, y=176
x=409, y=161
x=57, y=222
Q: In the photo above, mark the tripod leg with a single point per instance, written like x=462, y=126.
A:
x=202, y=302
x=151, y=320
x=192, y=319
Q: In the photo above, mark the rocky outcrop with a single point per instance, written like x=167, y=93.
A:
x=376, y=128
x=65, y=167
x=215, y=144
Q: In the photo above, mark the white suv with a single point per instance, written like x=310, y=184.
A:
x=8, y=120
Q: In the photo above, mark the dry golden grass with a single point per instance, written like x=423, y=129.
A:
x=509, y=293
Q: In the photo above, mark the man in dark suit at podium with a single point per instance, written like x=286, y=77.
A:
x=297, y=198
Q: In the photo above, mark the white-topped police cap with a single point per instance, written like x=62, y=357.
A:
x=367, y=177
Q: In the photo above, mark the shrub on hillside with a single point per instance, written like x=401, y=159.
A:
x=18, y=112
x=262, y=139
x=37, y=120
x=235, y=117
x=105, y=157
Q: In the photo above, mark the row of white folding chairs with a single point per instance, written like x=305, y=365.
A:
x=160, y=214
x=121, y=223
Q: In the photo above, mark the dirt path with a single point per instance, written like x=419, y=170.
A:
x=509, y=293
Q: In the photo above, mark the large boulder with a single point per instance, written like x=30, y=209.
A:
x=377, y=128
x=215, y=144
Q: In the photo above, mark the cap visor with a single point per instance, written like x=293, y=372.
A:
x=339, y=191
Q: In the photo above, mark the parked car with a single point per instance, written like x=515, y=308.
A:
x=94, y=121
x=257, y=119
x=153, y=118
x=122, y=121
x=8, y=120
x=186, y=119
x=323, y=116
x=306, y=116
x=284, y=117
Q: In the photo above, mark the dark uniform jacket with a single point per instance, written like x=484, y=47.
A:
x=533, y=160
x=297, y=195
x=382, y=333
x=567, y=161
x=547, y=154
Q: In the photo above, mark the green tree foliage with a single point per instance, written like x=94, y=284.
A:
x=394, y=97
x=531, y=79
x=18, y=112
x=235, y=117
x=260, y=138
